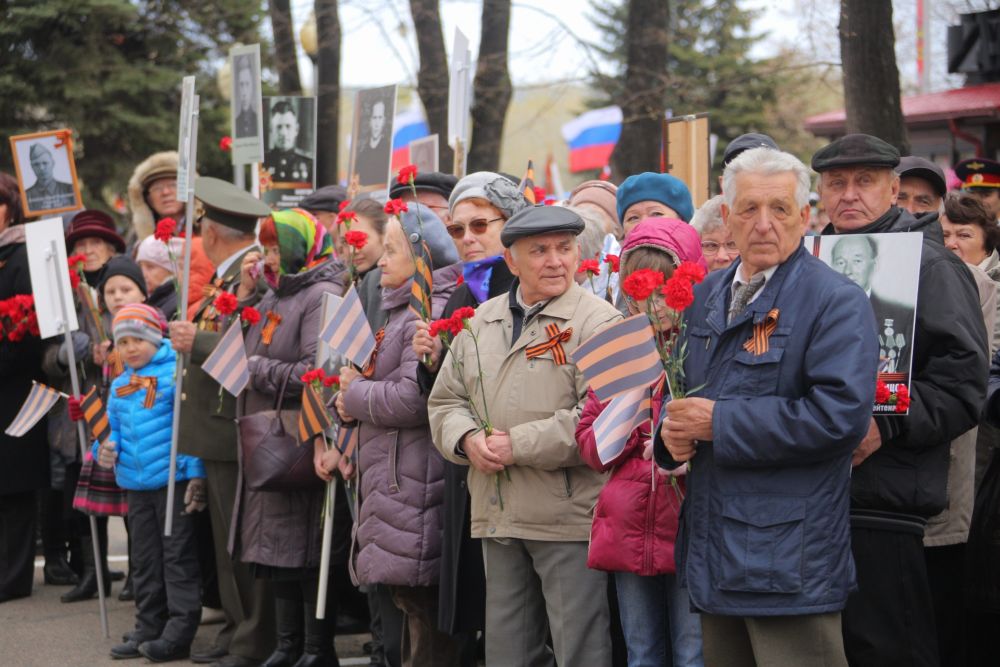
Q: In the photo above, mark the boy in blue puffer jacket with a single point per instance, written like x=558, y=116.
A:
x=140, y=413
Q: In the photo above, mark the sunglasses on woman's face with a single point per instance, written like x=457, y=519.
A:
x=477, y=227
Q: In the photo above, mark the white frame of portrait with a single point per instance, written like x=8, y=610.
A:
x=66, y=136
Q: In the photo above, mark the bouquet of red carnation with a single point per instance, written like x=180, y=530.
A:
x=18, y=318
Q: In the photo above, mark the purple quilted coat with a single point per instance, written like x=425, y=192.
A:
x=402, y=474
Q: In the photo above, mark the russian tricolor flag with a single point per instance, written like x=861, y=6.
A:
x=408, y=125
x=592, y=137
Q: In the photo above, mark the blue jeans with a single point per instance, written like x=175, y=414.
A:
x=651, y=607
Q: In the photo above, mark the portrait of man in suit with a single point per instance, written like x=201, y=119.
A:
x=373, y=136
x=246, y=88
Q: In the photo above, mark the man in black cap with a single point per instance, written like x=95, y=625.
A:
x=532, y=495
x=207, y=426
x=900, y=470
x=433, y=190
x=981, y=177
x=921, y=185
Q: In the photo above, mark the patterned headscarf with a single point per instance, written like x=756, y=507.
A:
x=303, y=242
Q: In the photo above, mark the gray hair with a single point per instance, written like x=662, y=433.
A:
x=226, y=233
x=708, y=218
x=591, y=239
x=766, y=161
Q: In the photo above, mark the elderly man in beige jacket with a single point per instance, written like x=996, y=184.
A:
x=532, y=495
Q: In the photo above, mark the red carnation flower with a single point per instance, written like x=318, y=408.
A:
x=465, y=313
x=356, y=239
x=74, y=279
x=225, y=303
x=690, y=271
x=342, y=205
x=332, y=381
x=461, y=279
x=678, y=293
x=640, y=284
x=250, y=315
x=589, y=266
x=902, y=398
x=395, y=207
x=226, y=143
x=77, y=261
x=165, y=229
x=614, y=261
x=882, y=393
x=407, y=174
x=346, y=217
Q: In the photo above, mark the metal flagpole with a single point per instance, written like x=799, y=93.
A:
x=182, y=302
x=53, y=256
x=324, y=559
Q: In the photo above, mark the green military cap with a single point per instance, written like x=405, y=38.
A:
x=228, y=205
x=854, y=150
x=540, y=219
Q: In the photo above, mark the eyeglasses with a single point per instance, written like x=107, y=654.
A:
x=477, y=227
x=709, y=248
x=163, y=186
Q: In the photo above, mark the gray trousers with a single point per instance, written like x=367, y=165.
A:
x=165, y=574
x=534, y=588
x=812, y=640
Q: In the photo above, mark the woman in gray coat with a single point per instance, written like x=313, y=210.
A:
x=402, y=487
x=279, y=533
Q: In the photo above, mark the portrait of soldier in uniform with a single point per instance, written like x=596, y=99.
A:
x=285, y=130
x=246, y=116
x=45, y=171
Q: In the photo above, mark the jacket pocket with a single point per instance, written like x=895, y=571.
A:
x=753, y=374
x=761, y=544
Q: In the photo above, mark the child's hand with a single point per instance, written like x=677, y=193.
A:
x=100, y=352
x=106, y=454
x=194, y=496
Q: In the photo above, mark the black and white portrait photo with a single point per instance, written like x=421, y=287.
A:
x=245, y=105
x=371, y=139
x=424, y=153
x=290, y=138
x=46, y=172
x=246, y=109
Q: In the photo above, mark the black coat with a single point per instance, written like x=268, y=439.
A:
x=905, y=480
x=462, y=588
x=164, y=297
x=24, y=462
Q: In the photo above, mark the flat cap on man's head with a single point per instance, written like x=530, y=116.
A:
x=745, y=142
x=328, y=198
x=855, y=150
x=918, y=167
x=541, y=219
x=427, y=181
x=229, y=205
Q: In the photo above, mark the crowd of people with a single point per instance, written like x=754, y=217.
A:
x=764, y=514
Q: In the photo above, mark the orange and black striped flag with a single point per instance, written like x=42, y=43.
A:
x=347, y=440
x=95, y=415
x=313, y=417
x=40, y=400
x=527, y=186
x=423, y=283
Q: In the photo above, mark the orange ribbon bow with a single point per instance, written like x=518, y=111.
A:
x=64, y=138
x=138, y=383
x=369, y=369
x=758, y=343
x=267, y=333
x=554, y=343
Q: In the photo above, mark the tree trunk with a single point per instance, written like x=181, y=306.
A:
x=327, y=91
x=491, y=88
x=285, y=60
x=643, y=102
x=432, y=78
x=871, y=78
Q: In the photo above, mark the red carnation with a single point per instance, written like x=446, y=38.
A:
x=614, y=261
x=589, y=266
x=77, y=261
x=439, y=326
x=882, y=393
x=165, y=229
x=678, y=293
x=640, y=284
x=225, y=303
x=356, y=239
x=690, y=271
x=332, y=381
x=395, y=207
x=540, y=194
x=461, y=279
x=250, y=315
x=226, y=143
x=74, y=279
x=346, y=217
x=342, y=205
x=407, y=174
x=902, y=398
x=465, y=313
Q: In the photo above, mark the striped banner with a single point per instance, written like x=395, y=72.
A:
x=420, y=292
x=616, y=422
x=620, y=358
x=95, y=415
x=40, y=400
x=527, y=185
x=347, y=440
x=348, y=331
x=313, y=417
x=227, y=364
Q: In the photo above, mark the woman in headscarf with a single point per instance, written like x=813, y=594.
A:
x=279, y=533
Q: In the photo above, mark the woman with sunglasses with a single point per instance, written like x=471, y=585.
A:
x=480, y=205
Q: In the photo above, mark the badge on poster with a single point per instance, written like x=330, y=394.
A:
x=47, y=264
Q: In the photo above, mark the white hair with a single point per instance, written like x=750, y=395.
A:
x=225, y=232
x=591, y=239
x=768, y=162
x=708, y=218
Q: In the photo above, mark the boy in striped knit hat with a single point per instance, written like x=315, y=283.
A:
x=140, y=414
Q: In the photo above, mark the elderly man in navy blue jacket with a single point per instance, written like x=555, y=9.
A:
x=764, y=543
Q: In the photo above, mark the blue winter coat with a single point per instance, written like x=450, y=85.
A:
x=143, y=435
x=764, y=527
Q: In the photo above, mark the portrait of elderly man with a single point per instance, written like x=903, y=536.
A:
x=283, y=159
x=900, y=470
x=857, y=258
x=375, y=141
x=246, y=94
x=531, y=493
x=47, y=192
x=784, y=350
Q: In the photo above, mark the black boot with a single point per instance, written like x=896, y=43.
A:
x=87, y=588
x=58, y=572
x=288, y=615
x=319, y=649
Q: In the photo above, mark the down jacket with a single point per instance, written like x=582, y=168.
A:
x=402, y=475
x=142, y=434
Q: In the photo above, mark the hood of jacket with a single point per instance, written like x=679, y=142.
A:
x=675, y=237
x=143, y=217
x=290, y=284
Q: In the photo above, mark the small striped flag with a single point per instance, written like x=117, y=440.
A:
x=420, y=292
x=95, y=415
x=40, y=400
x=620, y=358
x=227, y=364
x=348, y=331
x=347, y=440
x=313, y=417
x=527, y=186
x=617, y=421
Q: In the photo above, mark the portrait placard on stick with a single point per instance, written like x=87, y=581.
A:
x=288, y=171
x=424, y=154
x=46, y=172
x=687, y=155
x=459, y=98
x=184, y=137
x=47, y=264
x=371, y=138
x=245, y=105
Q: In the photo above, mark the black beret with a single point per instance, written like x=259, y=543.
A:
x=430, y=181
x=745, y=142
x=328, y=198
x=919, y=167
x=540, y=219
x=855, y=150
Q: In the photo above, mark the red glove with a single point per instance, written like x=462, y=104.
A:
x=75, y=411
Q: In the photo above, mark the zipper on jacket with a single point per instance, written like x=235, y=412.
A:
x=569, y=491
x=647, y=541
